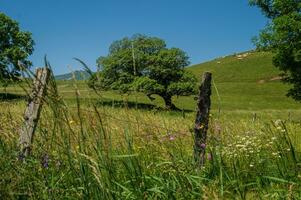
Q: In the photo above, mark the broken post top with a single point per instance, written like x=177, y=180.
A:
x=206, y=75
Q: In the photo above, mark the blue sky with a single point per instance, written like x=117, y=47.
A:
x=64, y=29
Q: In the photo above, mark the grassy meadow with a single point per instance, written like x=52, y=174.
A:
x=108, y=146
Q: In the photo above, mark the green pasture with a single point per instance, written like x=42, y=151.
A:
x=109, y=146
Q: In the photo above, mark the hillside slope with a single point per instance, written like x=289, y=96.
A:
x=244, y=67
x=247, y=81
x=78, y=75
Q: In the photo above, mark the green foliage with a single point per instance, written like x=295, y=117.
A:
x=185, y=86
x=147, y=85
x=15, y=47
x=283, y=36
x=144, y=64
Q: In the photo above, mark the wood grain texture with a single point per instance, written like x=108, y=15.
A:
x=202, y=119
x=33, y=109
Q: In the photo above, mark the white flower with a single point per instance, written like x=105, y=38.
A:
x=278, y=122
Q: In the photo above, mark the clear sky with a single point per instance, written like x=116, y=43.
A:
x=64, y=29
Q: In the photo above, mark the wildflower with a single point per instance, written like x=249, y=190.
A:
x=278, y=122
x=21, y=157
x=45, y=161
x=251, y=165
x=171, y=138
x=71, y=122
x=203, y=145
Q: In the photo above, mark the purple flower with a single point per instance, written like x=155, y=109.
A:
x=21, y=156
x=203, y=145
x=45, y=161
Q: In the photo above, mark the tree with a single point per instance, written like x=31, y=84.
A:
x=283, y=37
x=15, y=47
x=145, y=64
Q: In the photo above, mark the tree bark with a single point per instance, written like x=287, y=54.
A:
x=202, y=119
x=168, y=102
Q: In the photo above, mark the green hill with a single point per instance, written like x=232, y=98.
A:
x=244, y=67
x=246, y=81
x=77, y=75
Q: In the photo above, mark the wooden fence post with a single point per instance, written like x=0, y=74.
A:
x=202, y=119
x=33, y=109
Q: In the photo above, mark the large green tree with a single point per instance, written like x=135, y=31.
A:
x=15, y=47
x=145, y=64
x=283, y=37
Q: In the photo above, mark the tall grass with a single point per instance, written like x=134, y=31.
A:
x=88, y=151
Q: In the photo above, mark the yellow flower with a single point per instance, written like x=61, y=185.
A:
x=71, y=122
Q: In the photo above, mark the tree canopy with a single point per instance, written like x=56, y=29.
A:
x=145, y=64
x=15, y=47
x=283, y=37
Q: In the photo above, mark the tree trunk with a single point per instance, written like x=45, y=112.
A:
x=168, y=102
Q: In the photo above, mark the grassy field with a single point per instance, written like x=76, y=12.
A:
x=108, y=146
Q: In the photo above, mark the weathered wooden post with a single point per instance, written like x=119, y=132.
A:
x=33, y=109
x=202, y=119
